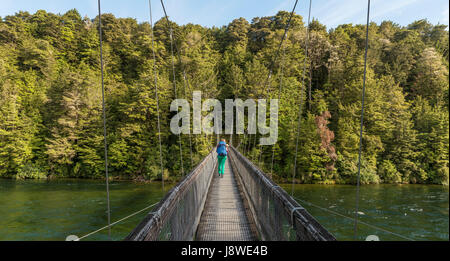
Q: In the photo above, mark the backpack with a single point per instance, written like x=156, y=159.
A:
x=222, y=149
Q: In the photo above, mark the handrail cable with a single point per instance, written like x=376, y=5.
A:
x=174, y=79
x=342, y=215
x=362, y=120
x=301, y=98
x=116, y=222
x=104, y=118
x=156, y=94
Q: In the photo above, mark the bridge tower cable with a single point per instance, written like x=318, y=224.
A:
x=104, y=120
x=247, y=144
x=272, y=64
x=254, y=156
x=301, y=98
x=174, y=79
x=185, y=83
x=309, y=85
x=362, y=121
x=244, y=143
x=249, y=140
x=279, y=99
x=247, y=149
x=249, y=152
x=156, y=94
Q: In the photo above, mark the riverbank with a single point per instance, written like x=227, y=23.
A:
x=138, y=179
x=141, y=179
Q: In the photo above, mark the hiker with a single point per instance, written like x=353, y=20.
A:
x=222, y=151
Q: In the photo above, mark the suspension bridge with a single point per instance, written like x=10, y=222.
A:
x=244, y=204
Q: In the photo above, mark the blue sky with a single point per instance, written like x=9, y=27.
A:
x=217, y=13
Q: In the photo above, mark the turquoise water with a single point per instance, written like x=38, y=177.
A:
x=417, y=212
x=53, y=210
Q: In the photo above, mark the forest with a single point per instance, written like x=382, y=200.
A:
x=51, y=111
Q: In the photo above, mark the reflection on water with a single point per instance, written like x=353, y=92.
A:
x=418, y=212
x=52, y=210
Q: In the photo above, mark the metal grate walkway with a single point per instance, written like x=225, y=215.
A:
x=224, y=215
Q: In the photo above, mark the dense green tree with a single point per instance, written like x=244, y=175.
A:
x=51, y=112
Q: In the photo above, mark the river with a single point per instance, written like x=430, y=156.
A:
x=390, y=212
x=53, y=210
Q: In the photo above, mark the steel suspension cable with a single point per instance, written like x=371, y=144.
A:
x=104, y=120
x=301, y=97
x=186, y=96
x=362, y=120
x=260, y=155
x=244, y=144
x=286, y=28
x=279, y=98
x=347, y=217
x=174, y=45
x=116, y=222
x=247, y=139
x=174, y=79
x=247, y=145
x=272, y=64
x=156, y=94
x=254, y=146
x=251, y=152
x=309, y=85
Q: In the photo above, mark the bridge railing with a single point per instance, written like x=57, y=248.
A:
x=276, y=214
x=177, y=215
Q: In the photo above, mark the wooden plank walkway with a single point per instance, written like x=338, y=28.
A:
x=224, y=217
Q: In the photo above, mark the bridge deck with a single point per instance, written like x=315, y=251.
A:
x=224, y=216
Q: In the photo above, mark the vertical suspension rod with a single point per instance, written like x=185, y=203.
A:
x=362, y=121
x=104, y=120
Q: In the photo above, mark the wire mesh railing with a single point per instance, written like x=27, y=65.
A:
x=177, y=215
x=276, y=214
